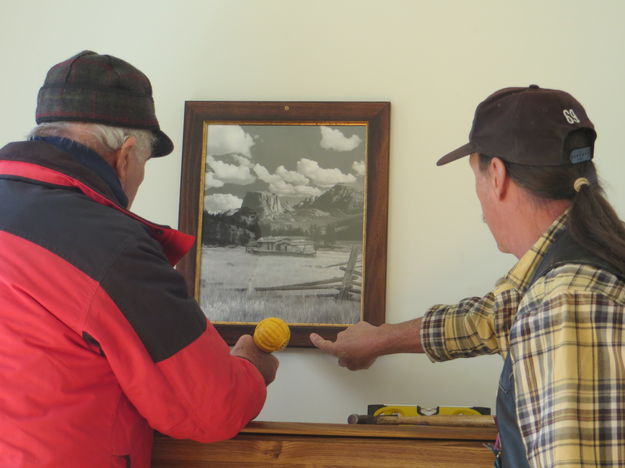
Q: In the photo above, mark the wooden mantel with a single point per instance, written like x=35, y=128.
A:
x=299, y=445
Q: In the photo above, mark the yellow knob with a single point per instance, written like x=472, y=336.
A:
x=272, y=334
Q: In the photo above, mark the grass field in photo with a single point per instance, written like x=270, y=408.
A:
x=229, y=278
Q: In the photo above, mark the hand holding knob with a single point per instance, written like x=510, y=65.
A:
x=272, y=334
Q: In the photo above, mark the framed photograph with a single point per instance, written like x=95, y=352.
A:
x=288, y=201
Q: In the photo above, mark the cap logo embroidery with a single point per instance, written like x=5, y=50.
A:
x=570, y=116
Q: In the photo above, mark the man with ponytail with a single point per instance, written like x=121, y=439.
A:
x=558, y=316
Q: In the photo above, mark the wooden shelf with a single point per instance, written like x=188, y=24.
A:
x=299, y=445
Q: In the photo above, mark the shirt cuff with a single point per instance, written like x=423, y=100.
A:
x=433, y=334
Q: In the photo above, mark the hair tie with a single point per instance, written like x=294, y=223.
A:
x=579, y=182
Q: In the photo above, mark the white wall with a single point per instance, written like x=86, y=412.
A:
x=433, y=60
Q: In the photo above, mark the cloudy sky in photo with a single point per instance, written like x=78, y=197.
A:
x=292, y=161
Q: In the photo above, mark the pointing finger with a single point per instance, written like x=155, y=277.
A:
x=326, y=346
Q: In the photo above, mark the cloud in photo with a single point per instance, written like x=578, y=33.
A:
x=307, y=190
x=282, y=174
x=359, y=168
x=263, y=174
x=292, y=177
x=220, y=202
x=280, y=187
x=242, y=160
x=323, y=177
x=230, y=173
x=285, y=189
x=211, y=182
x=227, y=139
x=285, y=182
x=334, y=139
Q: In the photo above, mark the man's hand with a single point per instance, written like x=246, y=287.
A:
x=266, y=363
x=361, y=344
x=353, y=347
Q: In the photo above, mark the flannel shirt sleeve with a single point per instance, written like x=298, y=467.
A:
x=475, y=326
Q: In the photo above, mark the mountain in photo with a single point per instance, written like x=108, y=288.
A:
x=336, y=214
x=339, y=199
x=266, y=205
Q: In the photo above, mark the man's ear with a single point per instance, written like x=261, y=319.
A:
x=499, y=177
x=121, y=157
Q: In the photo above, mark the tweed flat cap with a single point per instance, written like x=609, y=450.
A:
x=90, y=87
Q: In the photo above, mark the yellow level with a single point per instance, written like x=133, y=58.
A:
x=416, y=410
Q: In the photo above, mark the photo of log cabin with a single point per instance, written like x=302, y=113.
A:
x=282, y=223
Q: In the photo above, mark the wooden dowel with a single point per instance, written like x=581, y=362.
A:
x=436, y=420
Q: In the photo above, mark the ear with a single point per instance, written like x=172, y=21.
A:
x=121, y=157
x=499, y=178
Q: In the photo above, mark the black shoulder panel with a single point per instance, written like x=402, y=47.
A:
x=154, y=299
x=114, y=250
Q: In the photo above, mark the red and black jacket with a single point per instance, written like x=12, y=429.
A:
x=100, y=340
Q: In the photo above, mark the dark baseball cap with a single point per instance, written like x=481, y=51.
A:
x=528, y=126
x=90, y=87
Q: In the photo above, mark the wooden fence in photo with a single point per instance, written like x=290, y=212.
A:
x=347, y=287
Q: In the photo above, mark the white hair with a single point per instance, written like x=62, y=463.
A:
x=108, y=137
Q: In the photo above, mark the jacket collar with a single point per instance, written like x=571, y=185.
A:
x=45, y=163
x=92, y=160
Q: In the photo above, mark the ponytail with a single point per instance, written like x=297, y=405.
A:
x=592, y=221
x=594, y=224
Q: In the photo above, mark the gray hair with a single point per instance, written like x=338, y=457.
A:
x=107, y=137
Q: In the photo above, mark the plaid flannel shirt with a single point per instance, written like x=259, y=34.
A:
x=566, y=334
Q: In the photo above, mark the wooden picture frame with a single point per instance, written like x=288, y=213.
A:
x=285, y=225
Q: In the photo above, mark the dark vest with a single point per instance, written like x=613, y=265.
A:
x=563, y=251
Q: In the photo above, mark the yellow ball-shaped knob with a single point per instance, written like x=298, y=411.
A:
x=272, y=334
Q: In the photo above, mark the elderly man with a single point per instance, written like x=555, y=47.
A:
x=558, y=317
x=101, y=342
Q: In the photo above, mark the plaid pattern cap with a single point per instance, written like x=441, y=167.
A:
x=90, y=87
